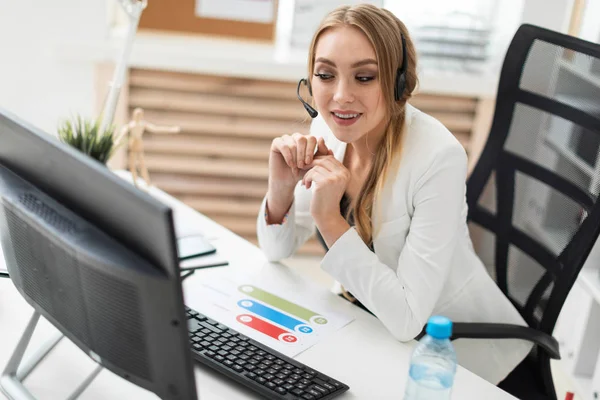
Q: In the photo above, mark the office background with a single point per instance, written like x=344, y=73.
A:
x=232, y=88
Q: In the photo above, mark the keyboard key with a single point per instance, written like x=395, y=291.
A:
x=288, y=386
x=308, y=396
x=261, y=380
x=194, y=325
x=251, y=375
x=320, y=389
x=271, y=385
x=297, y=392
x=328, y=386
x=335, y=383
x=281, y=390
x=238, y=368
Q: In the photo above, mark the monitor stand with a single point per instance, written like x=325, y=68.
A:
x=11, y=380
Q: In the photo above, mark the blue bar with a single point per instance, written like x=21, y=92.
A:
x=275, y=316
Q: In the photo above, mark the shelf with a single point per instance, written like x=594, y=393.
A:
x=590, y=280
x=571, y=156
x=588, y=76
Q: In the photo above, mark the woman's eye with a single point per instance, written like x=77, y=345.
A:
x=324, y=77
x=365, y=78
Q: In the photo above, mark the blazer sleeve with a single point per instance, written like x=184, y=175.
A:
x=403, y=299
x=281, y=241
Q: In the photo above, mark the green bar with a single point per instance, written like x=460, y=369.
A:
x=282, y=304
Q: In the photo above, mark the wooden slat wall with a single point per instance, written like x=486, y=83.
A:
x=218, y=164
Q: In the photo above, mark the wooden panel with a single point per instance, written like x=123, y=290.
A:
x=212, y=104
x=164, y=15
x=180, y=185
x=218, y=164
x=207, y=167
x=218, y=125
x=206, y=146
x=231, y=86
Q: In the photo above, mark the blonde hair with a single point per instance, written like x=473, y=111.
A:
x=384, y=30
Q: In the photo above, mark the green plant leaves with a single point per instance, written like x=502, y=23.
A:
x=83, y=134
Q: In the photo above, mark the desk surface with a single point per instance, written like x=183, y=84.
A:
x=362, y=354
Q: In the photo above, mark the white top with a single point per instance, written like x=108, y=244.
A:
x=424, y=262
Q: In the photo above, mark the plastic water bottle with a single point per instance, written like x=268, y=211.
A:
x=433, y=363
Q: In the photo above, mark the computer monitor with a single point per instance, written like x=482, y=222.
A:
x=96, y=257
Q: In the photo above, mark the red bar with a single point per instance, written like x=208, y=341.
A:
x=266, y=328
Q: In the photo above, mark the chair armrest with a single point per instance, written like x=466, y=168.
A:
x=461, y=330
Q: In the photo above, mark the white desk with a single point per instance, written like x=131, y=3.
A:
x=362, y=354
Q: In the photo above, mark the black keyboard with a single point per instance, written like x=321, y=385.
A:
x=262, y=369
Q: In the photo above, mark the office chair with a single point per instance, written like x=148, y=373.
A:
x=534, y=191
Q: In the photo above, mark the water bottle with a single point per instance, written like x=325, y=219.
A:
x=433, y=363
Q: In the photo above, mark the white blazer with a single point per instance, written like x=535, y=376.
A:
x=424, y=262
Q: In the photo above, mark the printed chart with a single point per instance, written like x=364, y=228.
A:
x=287, y=322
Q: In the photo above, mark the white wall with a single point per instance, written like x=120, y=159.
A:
x=36, y=82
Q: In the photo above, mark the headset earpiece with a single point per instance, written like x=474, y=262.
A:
x=401, y=73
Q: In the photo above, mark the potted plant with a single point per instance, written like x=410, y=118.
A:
x=84, y=135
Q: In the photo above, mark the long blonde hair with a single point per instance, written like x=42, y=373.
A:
x=383, y=29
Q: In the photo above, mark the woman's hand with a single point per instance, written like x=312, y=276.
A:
x=330, y=179
x=290, y=157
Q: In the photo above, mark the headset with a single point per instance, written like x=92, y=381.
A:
x=399, y=87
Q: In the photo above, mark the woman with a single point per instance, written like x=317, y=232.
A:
x=384, y=185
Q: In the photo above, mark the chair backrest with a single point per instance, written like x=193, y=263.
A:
x=534, y=191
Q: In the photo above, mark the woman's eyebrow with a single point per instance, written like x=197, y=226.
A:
x=360, y=63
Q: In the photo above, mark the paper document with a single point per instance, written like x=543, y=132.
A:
x=289, y=321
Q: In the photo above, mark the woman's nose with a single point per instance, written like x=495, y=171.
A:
x=343, y=93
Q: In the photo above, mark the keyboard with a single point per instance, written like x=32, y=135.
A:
x=260, y=368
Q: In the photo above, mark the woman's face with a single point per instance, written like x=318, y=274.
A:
x=346, y=85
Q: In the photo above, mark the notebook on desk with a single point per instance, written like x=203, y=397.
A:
x=195, y=251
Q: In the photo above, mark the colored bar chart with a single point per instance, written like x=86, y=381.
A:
x=282, y=304
x=267, y=328
x=275, y=316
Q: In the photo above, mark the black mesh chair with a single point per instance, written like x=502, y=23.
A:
x=533, y=195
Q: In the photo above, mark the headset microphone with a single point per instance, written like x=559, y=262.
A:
x=311, y=111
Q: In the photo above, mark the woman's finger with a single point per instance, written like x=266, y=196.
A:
x=315, y=174
x=300, y=141
x=291, y=144
x=322, y=149
x=311, y=144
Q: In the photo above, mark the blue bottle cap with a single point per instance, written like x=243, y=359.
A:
x=439, y=327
